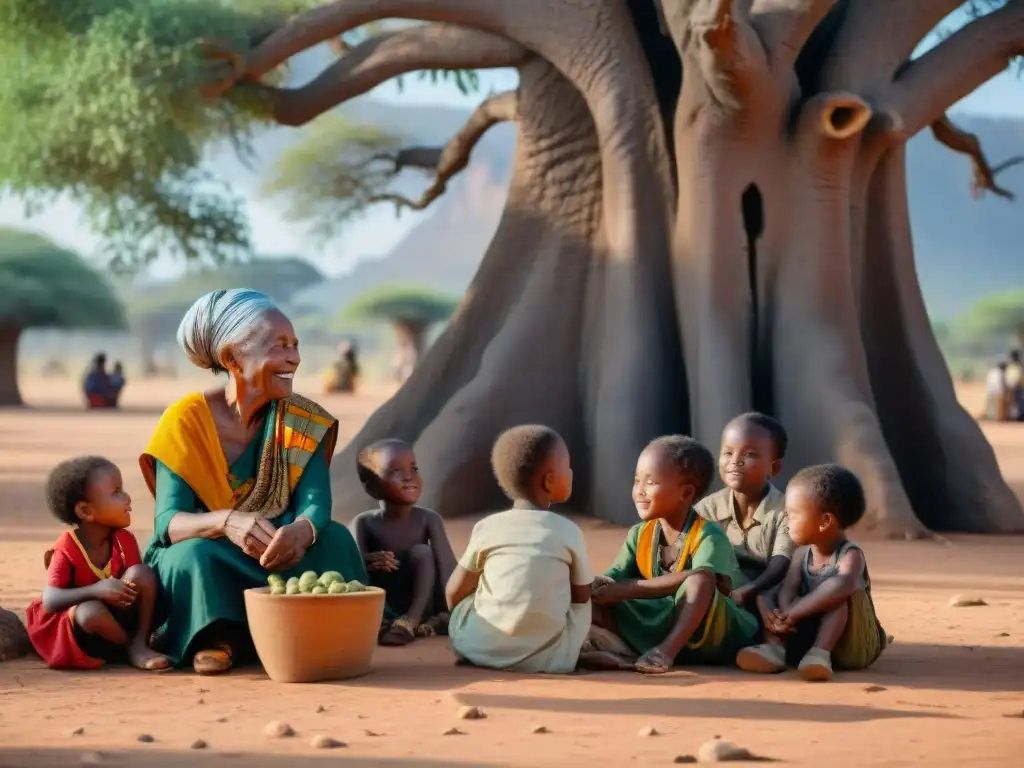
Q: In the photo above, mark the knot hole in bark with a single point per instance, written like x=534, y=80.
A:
x=761, y=381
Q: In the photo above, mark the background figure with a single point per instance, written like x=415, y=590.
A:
x=1014, y=389
x=96, y=385
x=343, y=374
x=995, y=393
x=116, y=384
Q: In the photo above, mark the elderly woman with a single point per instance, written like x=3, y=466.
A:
x=240, y=477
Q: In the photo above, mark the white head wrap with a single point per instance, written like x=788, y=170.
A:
x=220, y=318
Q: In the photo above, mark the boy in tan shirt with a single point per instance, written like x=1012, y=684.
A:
x=751, y=510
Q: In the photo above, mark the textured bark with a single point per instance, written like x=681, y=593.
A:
x=765, y=262
x=9, y=392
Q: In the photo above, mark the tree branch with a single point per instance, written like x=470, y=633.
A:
x=454, y=157
x=892, y=30
x=785, y=25
x=959, y=140
x=953, y=69
x=362, y=68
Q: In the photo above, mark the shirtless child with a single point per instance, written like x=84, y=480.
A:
x=405, y=547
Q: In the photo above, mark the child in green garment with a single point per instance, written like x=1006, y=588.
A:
x=666, y=595
x=823, y=613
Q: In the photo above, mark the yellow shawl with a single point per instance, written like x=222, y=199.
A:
x=186, y=441
x=647, y=546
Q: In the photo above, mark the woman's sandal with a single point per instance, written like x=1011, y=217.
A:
x=212, y=661
x=399, y=633
x=654, y=662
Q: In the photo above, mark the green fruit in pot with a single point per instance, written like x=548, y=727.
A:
x=307, y=581
x=337, y=588
x=356, y=586
x=292, y=587
x=278, y=589
x=275, y=578
x=318, y=590
x=329, y=577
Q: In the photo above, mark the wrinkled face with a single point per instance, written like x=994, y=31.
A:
x=659, y=489
x=558, y=474
x=107, y=502
x=398, y=475
x=807, y=522
x=268, y=359
x=746, y=460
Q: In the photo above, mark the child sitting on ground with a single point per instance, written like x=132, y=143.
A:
x=520, y=596
x=751, y=510
x=405, y=547
x=99, y=600
x=823, y=613
x=662, y=594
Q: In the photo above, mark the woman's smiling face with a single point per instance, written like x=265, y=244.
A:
x=268, y=359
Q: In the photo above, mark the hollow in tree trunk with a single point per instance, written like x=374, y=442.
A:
x=9, y=393
x=677, y=250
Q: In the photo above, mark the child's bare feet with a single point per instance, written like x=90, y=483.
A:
x=765, y=659
x=399, y=633
x=141, y=656
x=654, y=662
x=816, y=666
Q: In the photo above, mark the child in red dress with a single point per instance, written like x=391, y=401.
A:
x=99, y=600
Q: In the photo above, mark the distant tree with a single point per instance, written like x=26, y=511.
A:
x=156, y=310
x=409, y=310
x=44, y=286
x=998, y=316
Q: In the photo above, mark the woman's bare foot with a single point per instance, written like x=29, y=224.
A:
x=141, y=656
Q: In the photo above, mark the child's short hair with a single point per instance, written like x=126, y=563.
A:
x=366, y=466
x=691, y=459
x=68, y=485
x=837, y=490
x=775, y=430
x=517, y=455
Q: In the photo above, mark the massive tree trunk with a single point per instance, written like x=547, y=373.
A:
x=9, y=393
x=671, y=256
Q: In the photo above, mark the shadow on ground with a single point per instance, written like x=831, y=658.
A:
x=60, y=758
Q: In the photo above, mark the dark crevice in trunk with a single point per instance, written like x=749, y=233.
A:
x=664, y=62
x=809, y=64
x=752, y=206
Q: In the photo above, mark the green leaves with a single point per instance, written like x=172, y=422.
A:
x=404, y=304
x=101, y=102
x=332, y=175
x=45, y=285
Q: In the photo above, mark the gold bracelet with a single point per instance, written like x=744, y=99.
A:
x=312, y=525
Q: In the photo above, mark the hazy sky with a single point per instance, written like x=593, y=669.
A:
x=379, y=230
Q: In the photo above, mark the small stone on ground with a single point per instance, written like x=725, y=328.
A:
x=78, y=731
x=325, y=742
x=720, y=751
x=648, y=730
x=145, y=738
x=471, y=713
x=452, y=732
x=540, y=729
x=965, y=601
x=685, y=759
x=320, y=708
x=198, y=744
x=278, y=730
x=874, y=689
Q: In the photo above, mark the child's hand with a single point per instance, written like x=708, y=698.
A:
x=382, y=562
x=724, y=584
x=116, y=593
x=779, y=622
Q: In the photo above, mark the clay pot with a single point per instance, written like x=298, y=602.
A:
x=308, y=638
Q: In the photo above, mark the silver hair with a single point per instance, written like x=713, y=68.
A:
x=220, y=318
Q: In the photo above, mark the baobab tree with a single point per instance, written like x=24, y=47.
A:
x=707, y=213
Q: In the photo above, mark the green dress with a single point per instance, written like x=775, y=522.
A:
x=644, y=623
x=203, y=580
